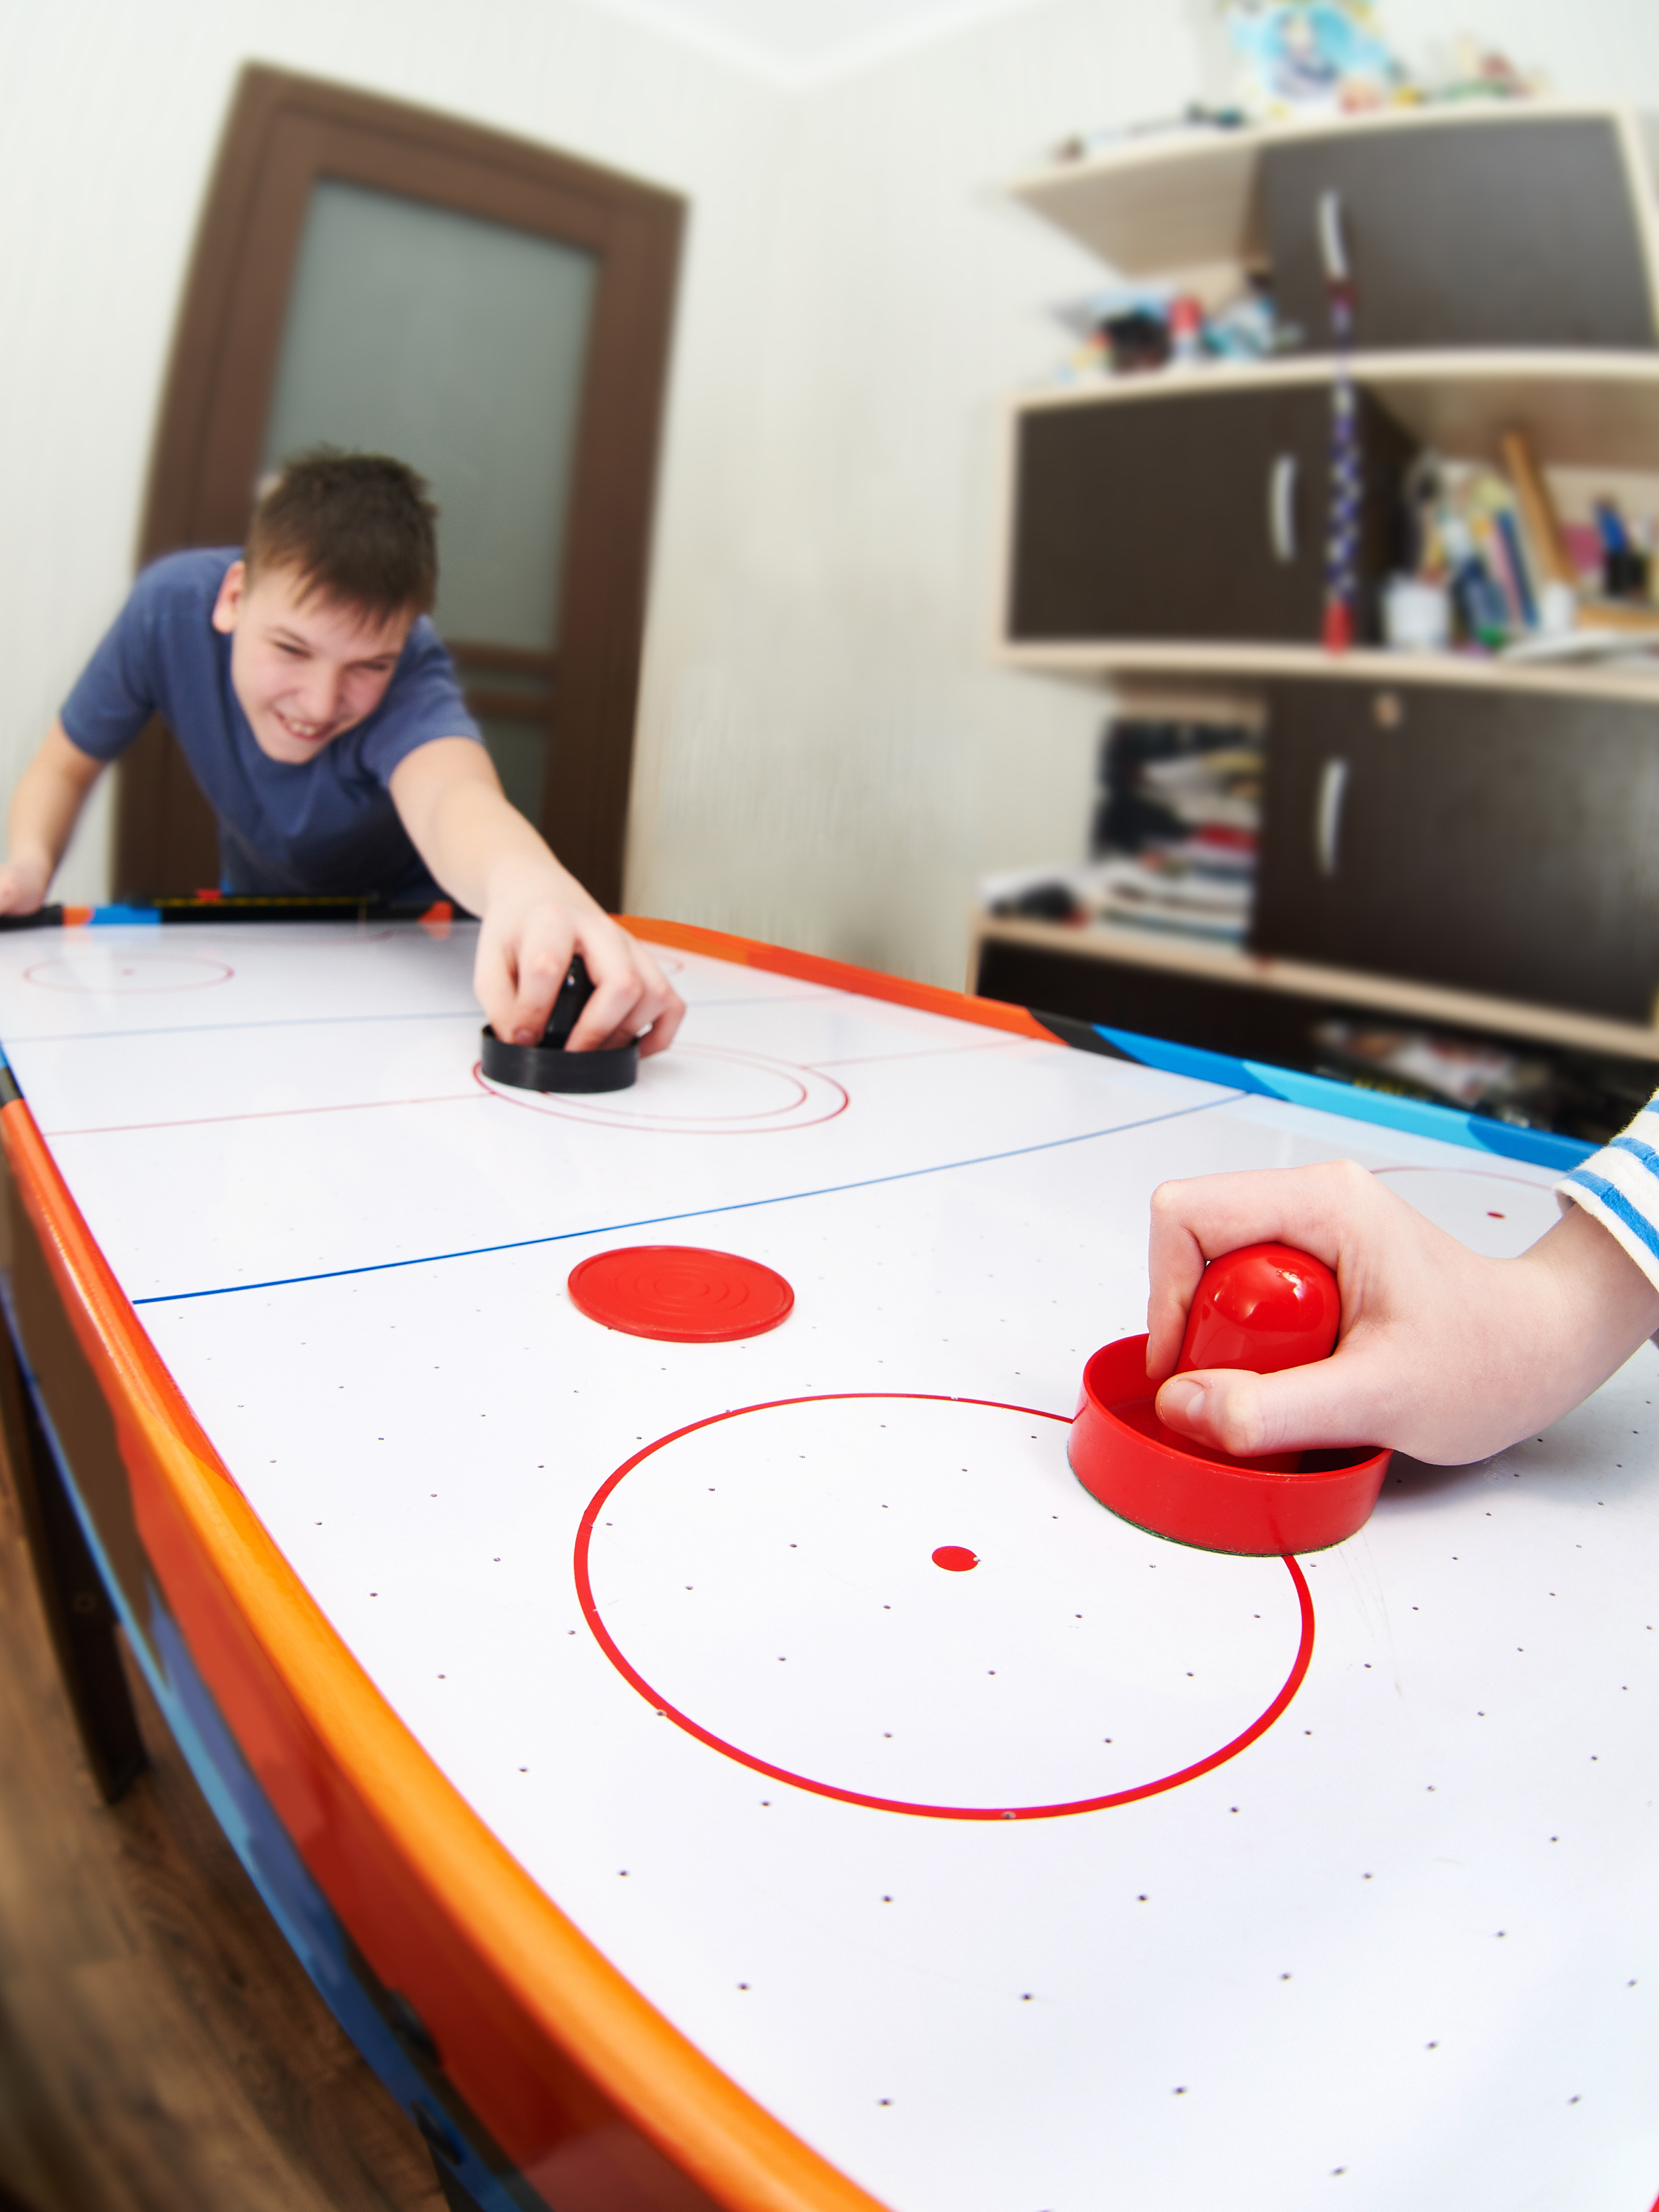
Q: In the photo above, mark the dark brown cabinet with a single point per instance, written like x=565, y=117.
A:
x=1489, y=840
x=1194, y=514
x=1512, y=232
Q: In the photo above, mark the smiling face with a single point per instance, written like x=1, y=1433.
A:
x=305, y=667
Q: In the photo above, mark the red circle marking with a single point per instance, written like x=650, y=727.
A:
x=680, y=1294
x=955, y=1558
x=660, y=1704
x=44, y=979
x=718, y=1125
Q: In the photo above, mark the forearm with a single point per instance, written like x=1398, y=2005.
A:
x=1598, y=1306
x=48, y=799
x=478, y=846
x=44, y=808
x=484, y=852
x=534, y=912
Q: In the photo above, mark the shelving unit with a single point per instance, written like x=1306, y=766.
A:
x=1202, y=207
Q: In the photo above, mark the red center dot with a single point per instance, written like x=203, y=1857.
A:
x=955, y=1558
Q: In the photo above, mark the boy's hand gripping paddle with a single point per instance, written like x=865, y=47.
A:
x=548, y=1065
x=1266, y=1307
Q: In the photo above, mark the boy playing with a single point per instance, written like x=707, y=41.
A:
x=320, y=716
x=1443, y=1354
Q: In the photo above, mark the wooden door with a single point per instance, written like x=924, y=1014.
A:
x=309, y=176
x=1196, y=515
x=1480, y=839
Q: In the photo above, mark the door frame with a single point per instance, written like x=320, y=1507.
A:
x=282, y=134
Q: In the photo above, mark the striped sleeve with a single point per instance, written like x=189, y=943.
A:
x=1620, y=1185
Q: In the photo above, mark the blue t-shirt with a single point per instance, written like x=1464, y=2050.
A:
x=326, y=824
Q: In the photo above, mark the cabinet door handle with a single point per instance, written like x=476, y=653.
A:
x=1281, y=509
x=1328, y=814
x=1332, y=251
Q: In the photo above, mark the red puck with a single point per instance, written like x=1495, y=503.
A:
x=680, y=1294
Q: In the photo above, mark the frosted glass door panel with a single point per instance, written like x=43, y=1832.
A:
x=460, y=345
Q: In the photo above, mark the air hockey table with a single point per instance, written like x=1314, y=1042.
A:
x=669, y=1826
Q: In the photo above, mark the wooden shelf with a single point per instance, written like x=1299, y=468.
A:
x=1103, y=661
x=1583, y=409
x=1186, y=200
x=1224, y=964
x=1182, y=201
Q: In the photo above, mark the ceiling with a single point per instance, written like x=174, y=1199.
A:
x=800, y=42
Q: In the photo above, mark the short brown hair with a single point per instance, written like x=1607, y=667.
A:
x=360, y=528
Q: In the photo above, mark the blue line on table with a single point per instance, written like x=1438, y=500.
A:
x=695, y=1213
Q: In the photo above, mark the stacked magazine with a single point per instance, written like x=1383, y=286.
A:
x=1175, y=836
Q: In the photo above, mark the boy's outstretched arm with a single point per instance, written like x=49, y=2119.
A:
x=1441, y=1353
x=534, y=913
x=44, y=808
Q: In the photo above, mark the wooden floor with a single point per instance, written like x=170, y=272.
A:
x=160, y=2048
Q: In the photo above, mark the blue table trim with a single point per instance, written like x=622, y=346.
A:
x=1475, y=1132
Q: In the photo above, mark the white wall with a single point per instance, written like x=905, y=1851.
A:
x=842, y=739
x=825, y=755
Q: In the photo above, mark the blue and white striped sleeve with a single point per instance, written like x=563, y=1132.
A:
x=1620, y=1185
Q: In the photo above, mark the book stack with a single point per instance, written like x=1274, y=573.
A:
x=1177, y=832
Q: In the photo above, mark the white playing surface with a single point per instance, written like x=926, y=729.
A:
x=1402, y=1949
